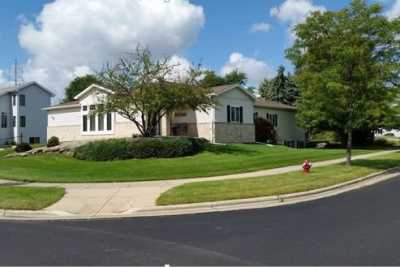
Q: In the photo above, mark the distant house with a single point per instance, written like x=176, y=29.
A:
x=231, y=121
x=21, y=116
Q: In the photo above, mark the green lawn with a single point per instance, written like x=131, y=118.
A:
x=276, y=184
x=222, y=160
x=6, y=151
x=29, y=198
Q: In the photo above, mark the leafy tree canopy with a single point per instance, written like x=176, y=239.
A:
x=144, y=90
x=211, y=79
x=280, y=89
x=78, y=85
x=347, y=67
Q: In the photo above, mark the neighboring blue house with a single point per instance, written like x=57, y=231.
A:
x=21, y=116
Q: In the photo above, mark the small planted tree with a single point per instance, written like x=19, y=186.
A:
x=347, y=68
x=145, y=89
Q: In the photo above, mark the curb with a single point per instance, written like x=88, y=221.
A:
x=208, y=207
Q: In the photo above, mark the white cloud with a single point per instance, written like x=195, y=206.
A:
x=294, y=12
x=255, y=70
x=260, y=27
x=181, y=67
x=394, y=11
x=3, y=79
x=75, y=37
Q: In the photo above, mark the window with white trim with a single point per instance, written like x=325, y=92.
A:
x=95, y=123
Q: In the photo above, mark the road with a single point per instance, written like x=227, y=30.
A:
x=357, y=228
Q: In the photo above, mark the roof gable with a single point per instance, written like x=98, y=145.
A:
x=91, y=88
x=220, y=90
x=14, y=89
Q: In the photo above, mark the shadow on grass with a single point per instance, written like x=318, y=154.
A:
x=229, y=149
x=380, y=164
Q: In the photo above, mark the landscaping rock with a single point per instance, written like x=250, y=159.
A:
x=321, y=145
x=64, y=149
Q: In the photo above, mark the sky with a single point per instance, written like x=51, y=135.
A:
x=55, y=41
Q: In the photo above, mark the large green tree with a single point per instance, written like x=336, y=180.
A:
x=347, y=67
x=236, y=77
x=210, y=78
x=78, y=85
x=144, y=90
x=280, y=89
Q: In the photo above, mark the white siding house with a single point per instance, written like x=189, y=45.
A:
x=22, y=118
x=230, y=121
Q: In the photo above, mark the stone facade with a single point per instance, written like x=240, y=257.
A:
x=201, y=130
x=73, y=132
x=234, y=133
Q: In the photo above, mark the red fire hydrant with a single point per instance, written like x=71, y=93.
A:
x=306, y=166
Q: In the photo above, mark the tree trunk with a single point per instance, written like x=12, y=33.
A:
x=349, y=147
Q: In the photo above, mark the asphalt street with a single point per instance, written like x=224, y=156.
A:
x=356, y=228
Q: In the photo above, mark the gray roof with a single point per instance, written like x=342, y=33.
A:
x=262, y=103
x=217, y=90
x=70, y=104
x=12, y=88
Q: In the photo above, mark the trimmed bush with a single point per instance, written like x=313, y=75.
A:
x=139, y=148
x=23, y=147
x=53, y=141
x=10, y=143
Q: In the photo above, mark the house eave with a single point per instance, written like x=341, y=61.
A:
x=62, y=107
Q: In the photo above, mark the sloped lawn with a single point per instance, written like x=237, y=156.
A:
x=4, y=152
x=219, y=160
x=276, y=184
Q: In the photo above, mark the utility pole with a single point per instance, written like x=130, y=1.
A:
x=17, y=73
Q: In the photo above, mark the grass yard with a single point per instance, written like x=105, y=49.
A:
x=5, y=151
x=276, y=184
x=220, y=160
x=29, y=198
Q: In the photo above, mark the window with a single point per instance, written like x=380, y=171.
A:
x=109, y=122
x=3, y=120
x=255, y=115
x=235, y=114
x=34, y=140
x=100, y=122
x=180, y=114
x=13, y=100
x=13, y=121
x=92, y=123
x=84, y=123
x=273, y=118
x=22, y=100
x=22, y=121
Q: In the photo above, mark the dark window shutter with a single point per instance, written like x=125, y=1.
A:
x=241, y=114
x=228, y=113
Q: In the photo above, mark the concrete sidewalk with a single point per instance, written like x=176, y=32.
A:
x=99, y=200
